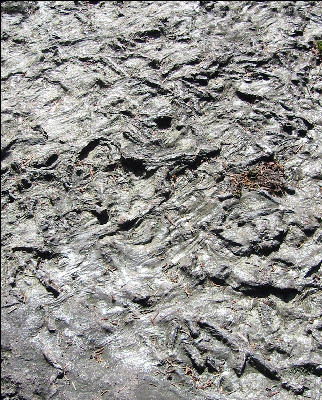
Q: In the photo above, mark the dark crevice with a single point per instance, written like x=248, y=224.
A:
x=302, y=132
x=163, y=122
x=265, y=251
x=127, y=113
x=88, y=148
x=155, y=64
x=313, y=270
x=50, y=288
x=11, y=197
x=149, y=173
x=61, y=375
x=133, y=165
x=53, y=158
x=234, y=247
x=101, y=84
x=47, y=163
x=43, y=254
x=200, y=80
x=5, y=151
x=263, y=367
x=166, y=196
x=240, y=367
x=295, y=389
x=40, y=129
x=205, y=97
x=263, y=76
x=289, y=190
x=15, y=167
x=288, y=128
x=154, y=85
x=308, y=124
x=310, y=366
x=219, y=334
x=309, y=230
x=101, y=216
x=280, y=262
x=48, y=177
x=153, y=33
x=143, y=301
x=248, y=97
x=24, y=184
x=148, y=34
x=128, y=225
x=110, y=167
x=132, y=138
x=18, y=7
x=196, y=362
x=93, y=2
x=193, y=164
x=262, y=158
x=263, y=291
x=198, y=278
x=217, y=281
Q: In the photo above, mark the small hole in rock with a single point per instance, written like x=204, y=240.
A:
x=102, y=216
x=302, y=133
x=53, y=158
x=155, y=64
x=288, y=128
x=163, y=122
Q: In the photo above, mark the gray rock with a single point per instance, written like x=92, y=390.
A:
x=161, y=212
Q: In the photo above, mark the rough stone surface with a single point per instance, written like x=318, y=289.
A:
x=161, y=183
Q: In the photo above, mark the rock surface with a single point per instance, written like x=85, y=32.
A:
x=161, y=183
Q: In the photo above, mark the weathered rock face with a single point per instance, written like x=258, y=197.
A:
x=161, y=200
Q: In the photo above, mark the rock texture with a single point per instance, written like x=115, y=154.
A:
x=161, y=183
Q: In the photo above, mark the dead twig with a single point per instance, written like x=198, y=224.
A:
x=153, y=318
x=186, y=289
x=205, y=385
x=109, y=268
x=97, y=354
x=170, y=220
x=273, y=394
